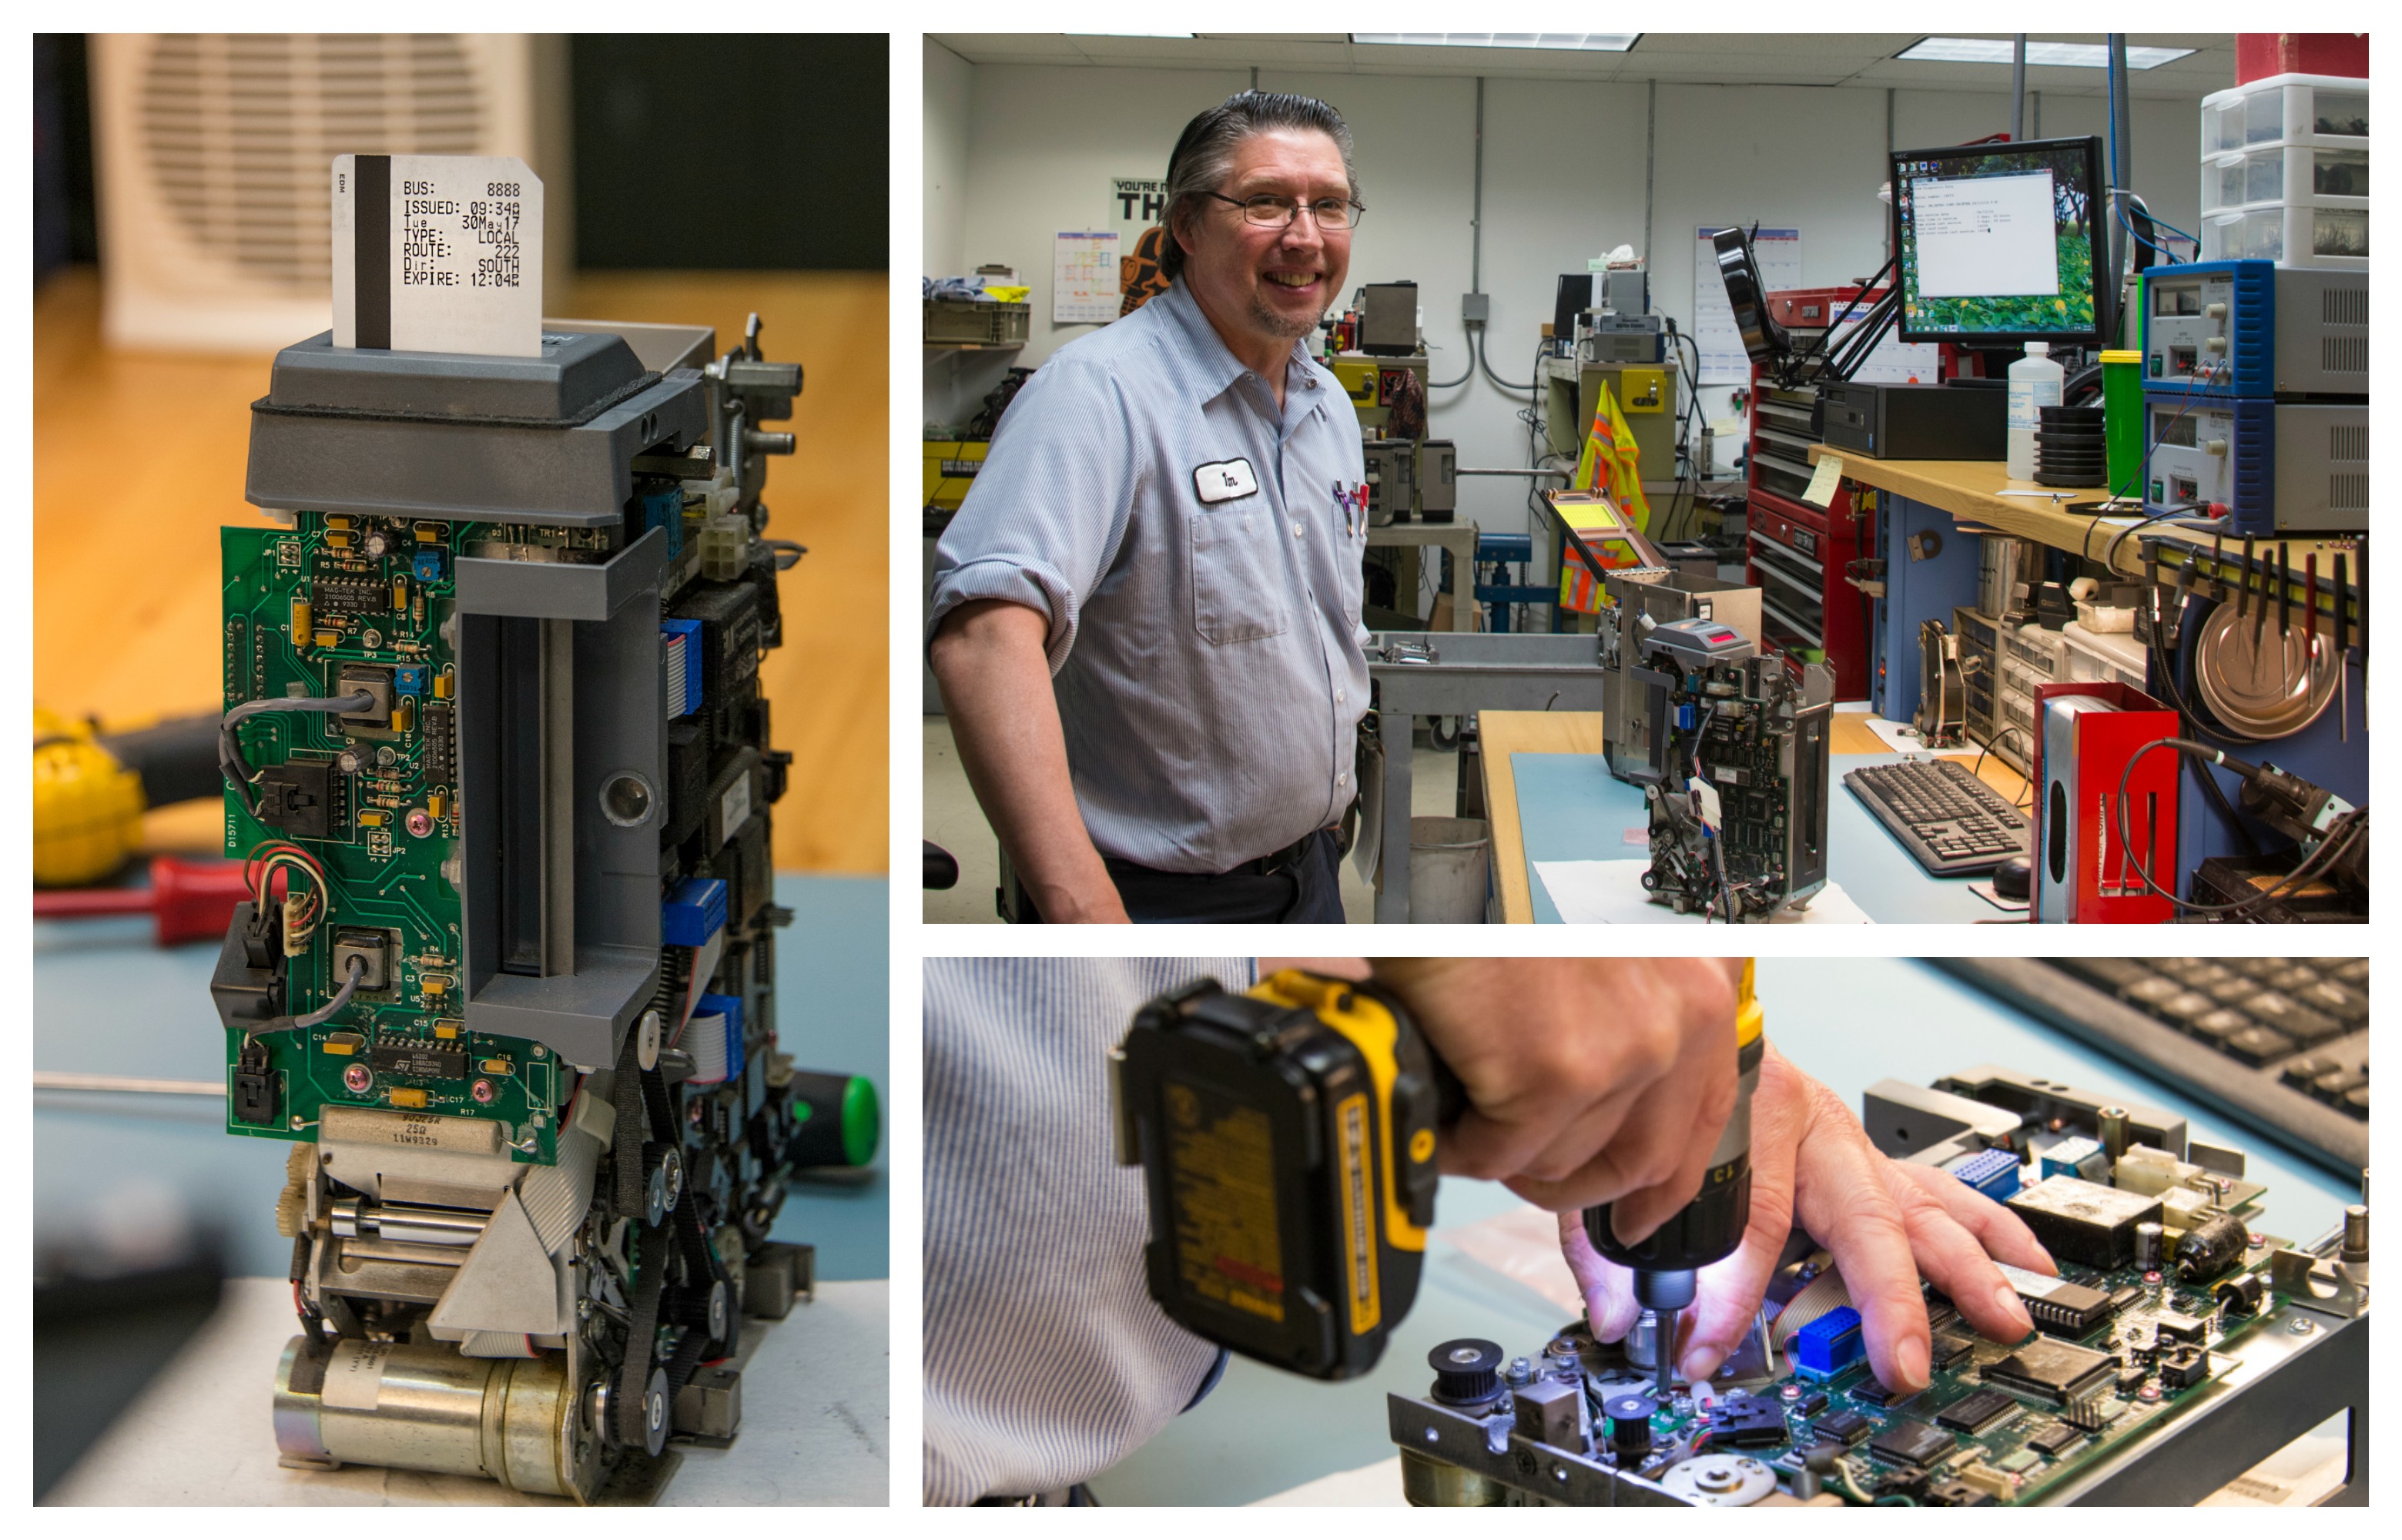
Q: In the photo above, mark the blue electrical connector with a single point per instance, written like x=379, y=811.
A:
x=695, y=913
x=682, y=639
x=1993, y=1172
x=1830, y=1344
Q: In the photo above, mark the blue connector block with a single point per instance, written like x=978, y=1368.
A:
x=1830, y=1344
x=1993, y=1172
x=427, y=566
x=2070, y=1158
x=409, y=680
x=695, y=913
x=682, y=639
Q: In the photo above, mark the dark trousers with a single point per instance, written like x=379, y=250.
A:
x=1301, y=885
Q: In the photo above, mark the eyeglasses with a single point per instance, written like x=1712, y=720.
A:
x=1330, y=213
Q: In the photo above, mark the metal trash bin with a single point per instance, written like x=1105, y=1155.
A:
x=1451, y=862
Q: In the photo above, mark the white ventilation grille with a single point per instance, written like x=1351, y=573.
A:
x=237, y=133
x=213, y=154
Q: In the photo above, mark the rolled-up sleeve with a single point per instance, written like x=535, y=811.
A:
x=1046, y=516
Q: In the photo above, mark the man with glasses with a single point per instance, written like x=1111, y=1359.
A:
x=1146, y=615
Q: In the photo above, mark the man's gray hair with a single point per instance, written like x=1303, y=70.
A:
x=1207, y=150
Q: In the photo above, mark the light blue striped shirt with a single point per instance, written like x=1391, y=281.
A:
x=1202, y=581
x=1046, y=1361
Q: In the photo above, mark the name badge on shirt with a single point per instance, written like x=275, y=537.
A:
x=1224, y=481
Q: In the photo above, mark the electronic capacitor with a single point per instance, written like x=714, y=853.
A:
x=2149, y=1238
x=2211, y=1247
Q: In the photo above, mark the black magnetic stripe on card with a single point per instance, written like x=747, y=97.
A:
x=371, y=286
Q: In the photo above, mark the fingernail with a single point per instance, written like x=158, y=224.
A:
x=1700, y=1363
x=2005, y=1300
x=1913, y=1359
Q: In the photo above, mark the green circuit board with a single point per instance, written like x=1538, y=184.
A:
x=315, y=611
x=2006, y=1449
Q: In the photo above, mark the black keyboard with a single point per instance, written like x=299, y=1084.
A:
x=1952, y=823
x=2281, y=1043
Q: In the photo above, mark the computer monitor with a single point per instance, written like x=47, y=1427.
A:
x=2001, y=243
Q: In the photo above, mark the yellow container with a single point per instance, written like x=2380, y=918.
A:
x=951, y=467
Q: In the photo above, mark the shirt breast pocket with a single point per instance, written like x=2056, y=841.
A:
x=1239, y=588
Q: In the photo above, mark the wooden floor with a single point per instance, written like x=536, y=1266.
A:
x=138, y=458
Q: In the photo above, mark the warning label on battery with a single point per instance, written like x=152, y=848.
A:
x=1221, y=1163
x=1359, y=1224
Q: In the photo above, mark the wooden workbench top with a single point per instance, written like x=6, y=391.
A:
x=1970, y=491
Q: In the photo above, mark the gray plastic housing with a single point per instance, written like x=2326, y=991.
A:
x=544, y=440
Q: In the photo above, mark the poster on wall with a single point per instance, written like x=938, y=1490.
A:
x=1083, y=276
x=1779, y=255
x=1135, y=203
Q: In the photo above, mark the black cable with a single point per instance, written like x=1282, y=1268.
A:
x=2340, y=835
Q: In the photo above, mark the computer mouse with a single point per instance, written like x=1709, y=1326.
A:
x=2013, y=878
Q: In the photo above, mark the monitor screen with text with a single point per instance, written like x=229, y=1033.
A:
x=2001, y=242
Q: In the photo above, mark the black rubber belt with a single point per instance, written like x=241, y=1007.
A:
x=642, y=1334
x=627, y=1144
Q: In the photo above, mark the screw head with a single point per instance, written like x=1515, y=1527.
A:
x=483, y=1093
x=356, y=1079
x=2301, y=1325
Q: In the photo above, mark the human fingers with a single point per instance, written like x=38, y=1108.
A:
x=1842, y=1197
x=1950, y=1257
x=1609, y=1289
x=1678, y=1128
x=2003, y=1234
x=1729, y=1294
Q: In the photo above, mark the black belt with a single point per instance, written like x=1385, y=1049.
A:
x=1262, y=866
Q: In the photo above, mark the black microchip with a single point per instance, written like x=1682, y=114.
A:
x=1976, y=1411
x=1871, y=1392
x=2052, y=1437
x=1949, y=1350
x=1941, y=1311
x=1812, y=1404
x=1910, y=1443
x=2054, y=1371
x=345, y=596
x=441, y=748
x=1844, y=1427
x=2068, y=1307
x=2121, y=1298
x=2172, y=1327
x=1957, y=1495
x=419, y=1061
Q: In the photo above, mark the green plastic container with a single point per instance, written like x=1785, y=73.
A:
x=2123, y=417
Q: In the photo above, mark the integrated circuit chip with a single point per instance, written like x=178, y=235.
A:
x=2056, y=1302
x=1812, y=1404
x=1949, y=1349
x=431, y=1063
x=1976, y=1411
x=1910, y=1443
x=2053, y=1437
x=2053, y=1370
x=1875, y=1393
x=1844, y=1427
x=2084, y=1222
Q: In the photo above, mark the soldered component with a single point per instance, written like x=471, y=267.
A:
x=1976, y=1411
x=2072, y=1308
x=1993, y=1172
x=403, y=1095
x=2172, y=1327
x=2053, y=1437
x=418, y=1061
x=2187, y=1365
x=1910, y=1443
x=1830, y=1344
x=2240, y=1295
x=2052, y=1370
x=2084, y=1222
x=2210, y=1248
x=1844, y=1427
x=1948, y=1349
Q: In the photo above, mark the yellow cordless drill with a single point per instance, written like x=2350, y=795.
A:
x=1287, y=1137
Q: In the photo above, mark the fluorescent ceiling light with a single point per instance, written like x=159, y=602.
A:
x=1126, y=34
x=1584, y=42
x=1997, y=50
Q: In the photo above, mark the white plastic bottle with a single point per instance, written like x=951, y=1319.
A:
x=2035, y=384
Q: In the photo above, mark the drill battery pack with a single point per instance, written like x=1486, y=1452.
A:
x=1287, y=1139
